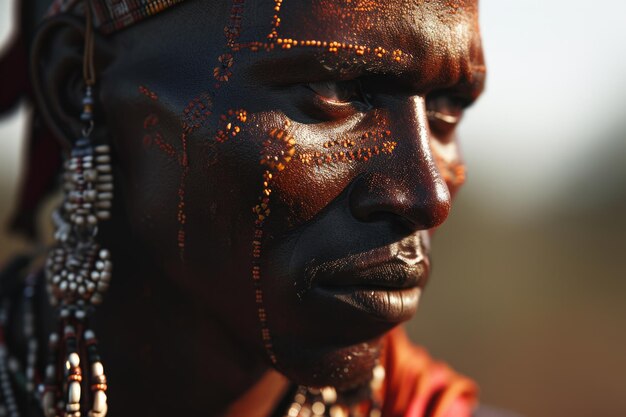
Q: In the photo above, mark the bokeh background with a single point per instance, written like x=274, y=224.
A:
x=529, y=289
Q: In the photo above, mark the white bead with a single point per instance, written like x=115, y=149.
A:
x=97, y=369
x=107, y=186
x=329, y=395
x=102, y=149
x=294, y=410
x=104, y=168
x=103, y=286
x=89, y=334
x=102, y=413
x=337, y=411
x=99, y=401
x=73, y=393
x=104, y=215
x=90, y=195
x=96, y=299
x=74, y=359
x=103, y=159
x=378, y=372
x=74, y=410
x=318, y=408
x=105, y=254
x=50, y=371
x=90, y=175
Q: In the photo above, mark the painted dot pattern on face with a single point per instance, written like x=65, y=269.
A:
x=148, y=93
x=222, y=72
x=194, y=115
x=230, y=124
x=197, y=112
x=153, y=137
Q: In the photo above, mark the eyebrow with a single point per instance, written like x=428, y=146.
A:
x=282, y=68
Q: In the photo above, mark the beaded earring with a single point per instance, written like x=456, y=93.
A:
x=77, y=270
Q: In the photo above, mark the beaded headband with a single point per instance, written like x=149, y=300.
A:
x=113, y=15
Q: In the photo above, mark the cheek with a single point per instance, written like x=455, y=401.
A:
x=325, y=159
x=149, y=163
x=449, y=163
x=189, y=180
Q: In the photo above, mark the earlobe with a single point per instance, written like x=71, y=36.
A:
x=56, y=66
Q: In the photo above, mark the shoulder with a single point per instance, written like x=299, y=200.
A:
x=418, y=386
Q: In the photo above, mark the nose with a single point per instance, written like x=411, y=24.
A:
x=405, y=186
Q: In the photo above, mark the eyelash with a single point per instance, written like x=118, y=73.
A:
x=444, y=113
x=335, y=108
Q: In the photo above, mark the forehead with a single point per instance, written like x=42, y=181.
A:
x=353, y=19
x=430, y=36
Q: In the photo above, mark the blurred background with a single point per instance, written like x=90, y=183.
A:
x=528, y=292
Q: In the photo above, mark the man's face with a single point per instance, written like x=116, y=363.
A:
x=284, y=162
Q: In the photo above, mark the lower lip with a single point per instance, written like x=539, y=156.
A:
x=384, y=304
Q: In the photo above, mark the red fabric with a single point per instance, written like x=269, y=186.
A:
x=417, y=386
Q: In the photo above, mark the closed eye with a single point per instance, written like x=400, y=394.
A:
x=444, y=114
x=340, y=92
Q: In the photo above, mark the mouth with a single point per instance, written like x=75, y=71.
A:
x=384, y=284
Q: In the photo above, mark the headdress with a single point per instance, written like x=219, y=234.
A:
x=113, y=15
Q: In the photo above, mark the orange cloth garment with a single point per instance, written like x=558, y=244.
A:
x=418, y=386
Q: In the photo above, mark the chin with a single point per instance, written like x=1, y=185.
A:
x=344, y=368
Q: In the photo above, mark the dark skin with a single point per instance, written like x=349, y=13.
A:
x=291, y=233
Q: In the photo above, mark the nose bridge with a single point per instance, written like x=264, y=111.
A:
x=409, y=123
x=407, y=183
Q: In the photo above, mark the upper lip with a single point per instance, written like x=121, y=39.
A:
x=379, y=268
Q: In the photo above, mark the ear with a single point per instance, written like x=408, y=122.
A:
x=57, y=75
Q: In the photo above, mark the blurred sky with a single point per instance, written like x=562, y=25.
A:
x=554, y=96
